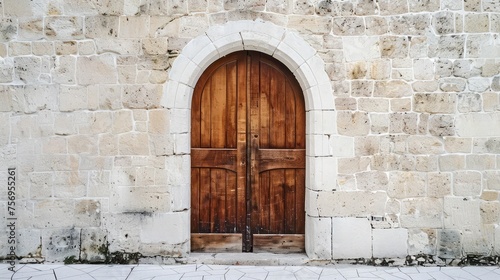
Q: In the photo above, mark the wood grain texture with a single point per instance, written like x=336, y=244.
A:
x=248, y=154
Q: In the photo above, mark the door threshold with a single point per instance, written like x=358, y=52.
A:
x=251, y=259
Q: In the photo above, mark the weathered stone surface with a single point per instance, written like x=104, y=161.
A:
x=449, y=244
x=478, y=125
x=422, y=241
x=406, y=184
x=58, y=244
x=141, y=97
x=352, y=238
x=96, y=70
x=461, y=213
x=435, y=102
x=421, y=213
x=93, y=245
x=390, y=243
x=342, y=203
x=353, y=124
x=64, y=27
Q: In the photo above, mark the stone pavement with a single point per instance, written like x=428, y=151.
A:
x=228, y=272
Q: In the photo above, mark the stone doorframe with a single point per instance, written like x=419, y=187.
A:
x=304, y=62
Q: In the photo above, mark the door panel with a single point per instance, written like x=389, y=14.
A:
x=248, y=156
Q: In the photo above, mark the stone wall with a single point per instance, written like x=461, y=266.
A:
x=409, y=164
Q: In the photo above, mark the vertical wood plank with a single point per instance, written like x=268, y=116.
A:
x=290, y=215
x=205, y=116
x=231, y=97
x=218, y=108
x=195, y=199
x=205, y=214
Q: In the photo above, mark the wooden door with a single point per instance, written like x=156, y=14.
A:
x=247, y=157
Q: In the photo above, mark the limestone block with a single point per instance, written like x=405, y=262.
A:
x=73, y=98
x=478, y=84
x=361, y=48
x=490, y=211
x=400, y=104
x=87, y=213
x=8, y=28
x=27, y=69
x=353, y=124
x=64, y=124
x=406, y=184
x=441, y=125
x=64, y=27
x=422, y=213
x=385, y=162
x=486, y=145
x=403, y=122
x=413, y=24
x=480, y=162
x=70, y=184
x=53, y=213
x=394, y=46
x=390, y=243
x=458, y=144
x=310, y=24
x=353, y=165
x=141, y=96
x=444, y=22
x=19, y=48
x=362, y=88
x=372, y=181
x=461, y=213
x=180, y=175
x=379, y=123
x=82, y=144
x=376, y=25
x=64, y=70
x=356, y=70
x=449, y=243
x=348, y=26
x=439, y=184
x=155, y=226
x=478, y=241
x=155, y=46
x=318, y=238
x=467, y=183
x=469, y=102
x=58, y=244
x=6, y=76
x=452, y=84
x=492, y=180
x=424, y=145
x=435, y=102
x=374, y=104
x=29, y=242
x=133, y=26
x=323, y=173
x=345, y=103
x=422, y=241
x=341, y=146
x=392, y=89
x=99, y=69
x=104, y=26
x=93, y=245
x=133, y=143
x=122, y=122
x=366, y=146
x=123, y=231
x=86, y=47
x=491, y=100
x=476, y=23
x=79, y=7
x=393, y=7
x=478, y=125
x=480, y=46
x=352, y=238
x=451, y=162
x=351, y=203
x=448, y=46
x=139, y=199
x=118, y=45
x=41, y=185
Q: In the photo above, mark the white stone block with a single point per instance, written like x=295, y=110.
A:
x=460, y=213
x=361, y=48
x=288, y=56
x=219, y=31
x=229, y=44
x=326, y=94
x=318, y=238
x=311, y=200
x=180, y=121
x=28, y=241
x=171, y=228
x=478, y=125
x=352, y=238
x=180, y=198
x=183, y=96
x=169, y=93
x=390, y=243
x=321, y=173
x=342, y=146
x=206, y=56
x=312, y=98
x=259, y=42
x=182, y=143
x=305, y=76
x=180, y=173
x=317, y=145
x=268, y=28
x=194, y=46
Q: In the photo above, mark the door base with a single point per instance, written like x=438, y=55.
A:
x=232, y=243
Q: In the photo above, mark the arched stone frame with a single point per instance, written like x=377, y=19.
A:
x=304, y=62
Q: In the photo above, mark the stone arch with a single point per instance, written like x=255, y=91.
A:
x=303, y=61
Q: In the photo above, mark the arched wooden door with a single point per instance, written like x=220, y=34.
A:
x=247, y=157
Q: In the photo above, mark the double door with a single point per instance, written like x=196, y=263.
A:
x=247, y=157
